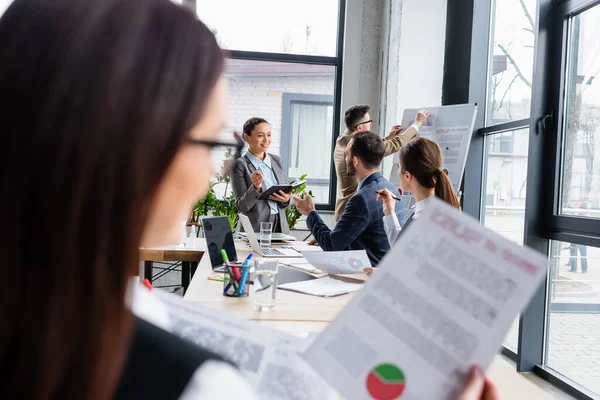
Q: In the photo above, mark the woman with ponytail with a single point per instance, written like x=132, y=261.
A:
x=420, y=173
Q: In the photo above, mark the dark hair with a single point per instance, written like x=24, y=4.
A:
x=423, y=158
x=251, y=124
x=354, y=114
x=369, y=148
x=98, y=97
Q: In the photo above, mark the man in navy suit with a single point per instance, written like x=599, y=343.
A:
x=360, y=226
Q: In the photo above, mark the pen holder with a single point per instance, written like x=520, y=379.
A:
x=237, y=280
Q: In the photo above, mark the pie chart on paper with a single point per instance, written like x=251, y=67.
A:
x=385, y=382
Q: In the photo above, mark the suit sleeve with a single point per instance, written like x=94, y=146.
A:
x=245, y=197
x=394, y=145
x=351, y=224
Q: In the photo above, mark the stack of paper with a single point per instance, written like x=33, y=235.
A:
x=323, y=287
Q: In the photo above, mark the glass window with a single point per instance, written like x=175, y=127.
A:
x=580, y=170
x=505, y=186
x=275, y=26
x=297, y=101
x=309, y=150
x=573, y=348
x=511, y=64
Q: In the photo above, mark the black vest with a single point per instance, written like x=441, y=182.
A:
x=159, y=364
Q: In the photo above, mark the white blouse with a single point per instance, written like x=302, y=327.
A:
x=392, y=225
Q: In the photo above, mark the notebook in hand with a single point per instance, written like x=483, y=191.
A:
x=276, y=188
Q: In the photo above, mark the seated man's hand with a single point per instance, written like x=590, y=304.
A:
x=369, y=270
x=312, y=242
x=304, y=204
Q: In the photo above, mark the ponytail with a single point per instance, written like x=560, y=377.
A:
x=444, y=190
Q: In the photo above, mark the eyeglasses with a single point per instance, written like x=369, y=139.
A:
x=361, y=123
x=237, y=146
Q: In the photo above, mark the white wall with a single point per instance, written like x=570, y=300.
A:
x=362, y=56
x=415, y=44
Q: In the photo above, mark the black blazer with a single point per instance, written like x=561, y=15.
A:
x=246, y=196
x=360, y=226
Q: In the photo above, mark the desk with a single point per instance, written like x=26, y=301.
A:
x=301, y=314
x=189, y=259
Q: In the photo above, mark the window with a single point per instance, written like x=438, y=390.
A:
x=552, y=118
x=505, y=181
x=280, y=50
x=573, y=321
x=307, y=27
x=306, y=140
x=502, y=143
x=297, y=100
x=511, y=64
x=581, y=127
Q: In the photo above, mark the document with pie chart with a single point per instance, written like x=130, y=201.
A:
x=440, y=302
x=338, y=262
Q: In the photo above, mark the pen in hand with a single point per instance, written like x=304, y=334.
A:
x=382, y=193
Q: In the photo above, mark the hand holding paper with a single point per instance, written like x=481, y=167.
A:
x=441, y=301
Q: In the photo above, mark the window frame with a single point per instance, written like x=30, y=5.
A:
x=542, y=222
x=336, y=61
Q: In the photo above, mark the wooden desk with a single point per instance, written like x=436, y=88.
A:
x=301, y=314
x=189, y=259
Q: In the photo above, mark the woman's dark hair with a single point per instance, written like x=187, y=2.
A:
x=423, y=158
x=97, y=98
x=252, y=123
x=369, y=148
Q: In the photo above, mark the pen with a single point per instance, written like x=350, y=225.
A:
x=236, y=271
x=229, y=271
x=147, y=283
x=385, y=194
x=244, y=274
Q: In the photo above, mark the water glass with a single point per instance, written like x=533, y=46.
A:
x=265, y=284
x=266, y=229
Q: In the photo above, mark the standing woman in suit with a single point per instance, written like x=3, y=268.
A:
x=420, y=173
x=256, y=172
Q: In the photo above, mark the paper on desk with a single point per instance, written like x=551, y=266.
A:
x=305, y=247
x=441, y=301
x=338, y=262
x=268, y=358
x=301, y=264
x=324, y=287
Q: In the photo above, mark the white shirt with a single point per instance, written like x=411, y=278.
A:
x=213, y=380
x=392, y=225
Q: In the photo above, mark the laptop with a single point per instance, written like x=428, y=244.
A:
x=217, y=232
x=264, y=251
x=275, y=236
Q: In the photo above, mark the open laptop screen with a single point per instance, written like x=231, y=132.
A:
x=217, y=232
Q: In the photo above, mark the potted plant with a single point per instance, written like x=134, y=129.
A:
x=291, y=213
x=211, y=204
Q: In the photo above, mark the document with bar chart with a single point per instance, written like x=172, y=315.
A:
x=440, y=302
